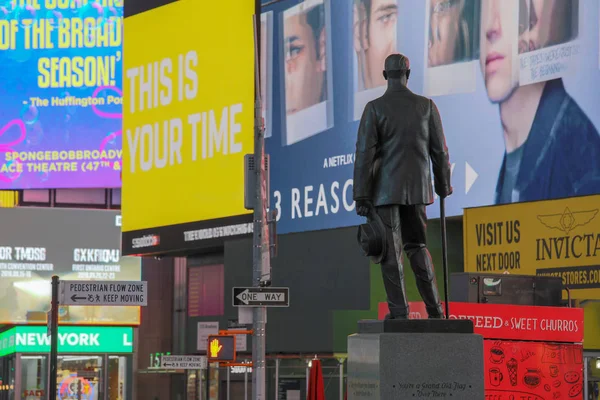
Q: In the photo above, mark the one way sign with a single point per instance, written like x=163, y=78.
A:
x=261, y=296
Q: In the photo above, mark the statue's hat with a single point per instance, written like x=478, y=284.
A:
x=371, y=237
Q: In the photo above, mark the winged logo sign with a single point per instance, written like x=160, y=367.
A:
x=568, y=220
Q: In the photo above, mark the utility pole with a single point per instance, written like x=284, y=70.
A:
x=53, y=339
x=261, y=271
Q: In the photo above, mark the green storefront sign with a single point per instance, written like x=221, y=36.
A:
x=71, y=339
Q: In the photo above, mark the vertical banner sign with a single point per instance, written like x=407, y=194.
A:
x=549, y=238
x=188, y=122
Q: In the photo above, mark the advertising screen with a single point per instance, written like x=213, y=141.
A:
x=517, y=84
x=71, y=339
x=60, y=93
x=188, y=122
x=37, y=243
x=559, y=238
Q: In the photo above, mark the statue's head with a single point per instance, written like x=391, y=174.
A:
x=397, y=66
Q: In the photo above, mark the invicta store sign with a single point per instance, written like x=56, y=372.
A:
x=551, y=238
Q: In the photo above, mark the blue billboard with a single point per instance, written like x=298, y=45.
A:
x=517, y=83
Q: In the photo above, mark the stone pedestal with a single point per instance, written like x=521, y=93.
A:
x=415, y=359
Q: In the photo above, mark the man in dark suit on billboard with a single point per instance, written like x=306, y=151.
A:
x=399, y=134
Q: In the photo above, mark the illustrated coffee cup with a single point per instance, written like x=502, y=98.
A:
x=532, y=378
x=496, y=355
x=553, y=371
x=496, y=377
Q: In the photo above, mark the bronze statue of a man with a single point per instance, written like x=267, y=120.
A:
x=399, y=133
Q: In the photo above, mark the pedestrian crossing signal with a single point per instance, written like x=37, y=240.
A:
x=221, y=348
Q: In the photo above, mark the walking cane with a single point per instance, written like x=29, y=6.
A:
x=444, y=253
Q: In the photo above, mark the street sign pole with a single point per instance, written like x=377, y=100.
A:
x=261, y=271
x=53, y=339
x=49, y=322
x=208, y=381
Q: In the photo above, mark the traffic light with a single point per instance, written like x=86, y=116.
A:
x=221, y=348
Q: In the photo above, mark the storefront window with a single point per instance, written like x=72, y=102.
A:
x=117, y=376
x=80, y=378
x=7, y=378
x=593, y=385
x=193, y=385
x=34, y=376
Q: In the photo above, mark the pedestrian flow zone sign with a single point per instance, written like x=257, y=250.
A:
x=103, y=293
x=261, y=296
x=183, y=362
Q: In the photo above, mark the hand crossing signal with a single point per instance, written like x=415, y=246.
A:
x=215, y=348
x=221, y=348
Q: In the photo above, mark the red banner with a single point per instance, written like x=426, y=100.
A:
x=533, y=371
x=510, y=322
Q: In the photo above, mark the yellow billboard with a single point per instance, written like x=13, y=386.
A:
x=188, y=121
x=591, y=315
x=552, y=238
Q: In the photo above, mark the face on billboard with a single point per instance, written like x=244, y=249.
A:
x=546, y=23
x=375, y=29
x=80, y=245
x=445, y=26
x=305, y=64
x=498, y=44
x=305, y=59
x=510, y=28
x=452, y=40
